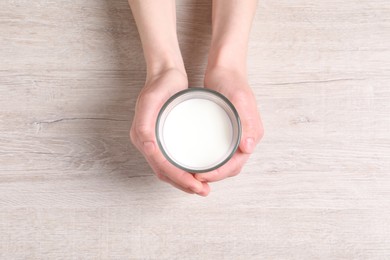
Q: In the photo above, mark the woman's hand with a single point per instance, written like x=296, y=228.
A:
x=226, y=73
x=158, y=88
x=233, y=84
x=156, y=22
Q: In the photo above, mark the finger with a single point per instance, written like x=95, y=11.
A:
x=145, y=121
x=230, y=169
x=204, y=192
x=161, y=176
x=164, y=178
x=182, y=178
x=252, y=132
x=206, y=189
x=161, y=165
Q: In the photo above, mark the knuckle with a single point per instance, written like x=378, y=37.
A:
x=236, y=171
x=144, y=132
x=147, y=97
x=160, y=176
x=201, y=178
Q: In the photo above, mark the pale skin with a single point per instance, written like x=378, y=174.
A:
x=226, y=73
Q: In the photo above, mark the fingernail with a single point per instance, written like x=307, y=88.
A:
x=250, y=144
x=148, y=147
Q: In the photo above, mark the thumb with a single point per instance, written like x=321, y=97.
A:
x=250, y=135
x=144, y=122
x=252, y=129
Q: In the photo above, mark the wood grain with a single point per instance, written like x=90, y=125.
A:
x=73, y=187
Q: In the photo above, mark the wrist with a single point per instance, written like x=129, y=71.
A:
x=231, y=57
x=163, y=60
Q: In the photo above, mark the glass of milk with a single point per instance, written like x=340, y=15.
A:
x=198, y=130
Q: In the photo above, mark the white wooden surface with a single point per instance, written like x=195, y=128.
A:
x=72, y=186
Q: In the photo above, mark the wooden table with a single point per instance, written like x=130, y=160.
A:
x=73, y=187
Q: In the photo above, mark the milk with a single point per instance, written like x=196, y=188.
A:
x=197, y=133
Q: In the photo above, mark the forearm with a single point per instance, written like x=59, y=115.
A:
x=156, y=22
x=232, y=20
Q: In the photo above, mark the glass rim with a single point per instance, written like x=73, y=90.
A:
x=226, y=101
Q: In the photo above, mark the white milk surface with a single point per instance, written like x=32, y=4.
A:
x=197, y=133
